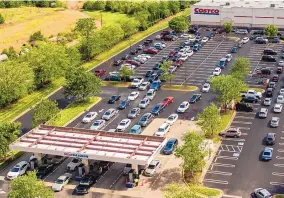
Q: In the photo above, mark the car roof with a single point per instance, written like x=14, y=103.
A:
x=172, y=140
x=268, y=99
x=263, y=109
x=154, y=162
x=111, y=109
x=270, y=134
x=264, y=192
x=164, y=125
x=278, y=105
x=147, y=114
x=125, y=120
x=275, y=118
x=136, y=126
x=21, y=163
x=184, y=102
x=268, y=149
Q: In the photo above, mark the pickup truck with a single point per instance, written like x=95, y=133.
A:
x=251, y=93
x=136, y=82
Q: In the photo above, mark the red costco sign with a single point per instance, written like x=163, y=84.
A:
x=206, y=11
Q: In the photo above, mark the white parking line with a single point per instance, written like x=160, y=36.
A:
x=281, y=143
x=116, y=179
x=280, y=150
x=279, y=157
x=225, y=157
x=278, y=174
x=244, y=117
x=223, y=165
x=276, y=184
x=242, y=128
x=279, y=165
x=215, y=181
x=234, y=139
x=230, y=148
x=232, y=196
x=109, y=122
x=251, y=113
x=241, y=122
x=220, y=173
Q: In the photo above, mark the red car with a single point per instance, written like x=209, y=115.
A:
x=168, y=100
x=132, y=62
x=275, y=78
x=178, y=63
x=172, y=53
x=100, y=72
x=151, y=51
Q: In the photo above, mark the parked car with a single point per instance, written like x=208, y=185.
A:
x=98, y=125
x=109, y=114
x=133, y=113
x=168, y=100
x=61, y=182
x=44, y=170
x=144, y=86
x=183, y=107
x=244, y=107
x=136, y=129
x=217, y=71
x=269, y=92
x=245, y=39
x=123, y=125
x=89, y=117
x=234, y=50
x=267, y=101
x=133, y=95
x=195, y=98
x=263, y=113
x=144, y=103
x=270, y=139
x=158, y=108
x=71, y=166
x=275, y=78
x=280, y=99
x=145, y=119
x=124, y=103
x=277, y=108
x=229, y=57
x=279, y=70
x=118, y=62
x=267, y=153
x=206, y=87
x=262, y=193
x=151, y=51
x=151, y=94
x=114, y=99
x=149, y=73
x=18, y=170
x=100, y=72
x=274, y=122
x=172, y=119
x=85, y=184
x=152, y=168
x=162, y=130
x=231, y=132
x=124, y=57
x=268, y=58
x=170, y=146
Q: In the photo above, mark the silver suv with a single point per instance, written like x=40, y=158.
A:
x=231, y=132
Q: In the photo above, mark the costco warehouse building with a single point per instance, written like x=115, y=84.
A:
x=242, y=13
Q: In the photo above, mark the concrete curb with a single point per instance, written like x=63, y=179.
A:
x=173, y=89
x=99, y=99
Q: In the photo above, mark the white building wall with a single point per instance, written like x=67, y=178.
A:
x=204, y=18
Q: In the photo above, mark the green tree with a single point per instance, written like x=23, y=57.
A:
x=240, y=68
x=16, y=80
x=81, y=84
x=2, y=19
x=168, y=77
x=37, y=36
x=10, y=52
x=179, y=23
x=110, y=35
x=271, y=30
x=210, y=120
x=94, y=5
x=142, y=18
x=44, y=111
x=9, y=132
x=129, y=26
x=228, y=27
x=191, y=152
x=49, y=61
x=228, y=88
x=174, y=6
x=175, y=190
x=165, y=66
x=29, y=186
x=90, y=47
x=126, y=72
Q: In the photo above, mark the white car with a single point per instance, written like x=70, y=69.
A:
x=124, y=124
x=206, y=87
x=172, y=69
x=190, y=53
x=144, y=86
x=144, y=103
x=61, y=182
x=262, y=193
x=127, y=65
x=89, y=117
x=245, y=40
x=162, y=130
x=229, y=57
x=217, y=71
x=184, y=36
x=158, y=37
x=182, y=51
x=281, y=92
x=144, y=56
x=281, y=63
x=205, y=39
x=98, y=124
x=18, y=170
x=133, y=95
x=172, y=119
x=183, y=107
x=277, y=108
x=280, y=99
x=74, y=164
x=184, y=57
x=109, y=114
x=187, y=48
x=151, y=94
x=267, y=101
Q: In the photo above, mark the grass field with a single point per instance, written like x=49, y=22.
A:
x=73, y=110
x=22, y=22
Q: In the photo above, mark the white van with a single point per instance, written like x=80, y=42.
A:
x=151, y=94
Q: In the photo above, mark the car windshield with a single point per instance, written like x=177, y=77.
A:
x=136, y=81
x=222, y=62
x=227, y=56
x=266, y=153
x=205, y=86
x=267, y=100
x=171, y=118
x=113, y=97
x=143, y=102
x=75, y=160
x=182, y=106
x=269, y=138
x=59, y=181
x=85, y=181
x=132, y=111
x=96, y=124
x=144, y=118
x=122, y=124
x=88, y=115
x=149, y=94
x=107, y=113
x=123, y=102
x=169, y=145
x=151, y=166
x=161, y=130
x=15, y=170
x=274, y=121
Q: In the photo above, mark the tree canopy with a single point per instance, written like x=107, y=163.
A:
x=29, y=186
x=210, y=120
x=227, y=26
x=175, y=190
x=179, y=23
x=9, y=132
x=129, y=26
x=2, y=19
x=271, y=30
x=44, y=111
x=81, y=84
x=37, y=36
x=240, y=68
x=126, y=72
x=85, y=26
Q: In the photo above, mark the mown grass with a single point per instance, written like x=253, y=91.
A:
x=12, y=111
x=205, y=191
x=226, y=118
x=179, y=87
x=116, y=84
x=256, y=89
x=278, y=196
x=73, y=110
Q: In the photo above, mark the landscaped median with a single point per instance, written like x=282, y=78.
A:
x=278, y=196
x=208, y=192
x=116, y=83
x=73, y=111
x=179, y=88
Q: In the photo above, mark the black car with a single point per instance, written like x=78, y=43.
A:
x=158, y=108
x=117, y=62
x=149, y=73
x=135, y=51
x=268, y=58
x=85, y=184
x=125, y=57
x=279, y=70
x=269, y=52
x=244, y=107
x=260, y=32
x=44, y=170
x=114, y=98
x=148, y=42
x=260, y=40
x=195, y=98
x=105, y=165
x=250, y=99
x=270, y=139
x=269, y=92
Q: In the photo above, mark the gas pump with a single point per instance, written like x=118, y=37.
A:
x=81, y=172
x=132, y=179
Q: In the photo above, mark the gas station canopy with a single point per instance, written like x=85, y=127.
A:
x=90, y=144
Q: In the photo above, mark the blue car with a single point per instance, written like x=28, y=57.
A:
x=158, y=108
x=182, y=45
x=170, y=146
x=267, y=153
x=159, y=72
x=211, y=35
x=176, y=57
x=153, y=78
x=196, y=48
x=234, y=50
x=149, y=73
x=124, y=103
x=136, y=129
x=157, y=66
x=222, y=63
x=156, y=85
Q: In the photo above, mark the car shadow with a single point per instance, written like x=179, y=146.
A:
x=263, y=142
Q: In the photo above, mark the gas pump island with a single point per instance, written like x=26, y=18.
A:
x=86, y=145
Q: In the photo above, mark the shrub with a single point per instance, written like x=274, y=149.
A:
x=2, y=20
